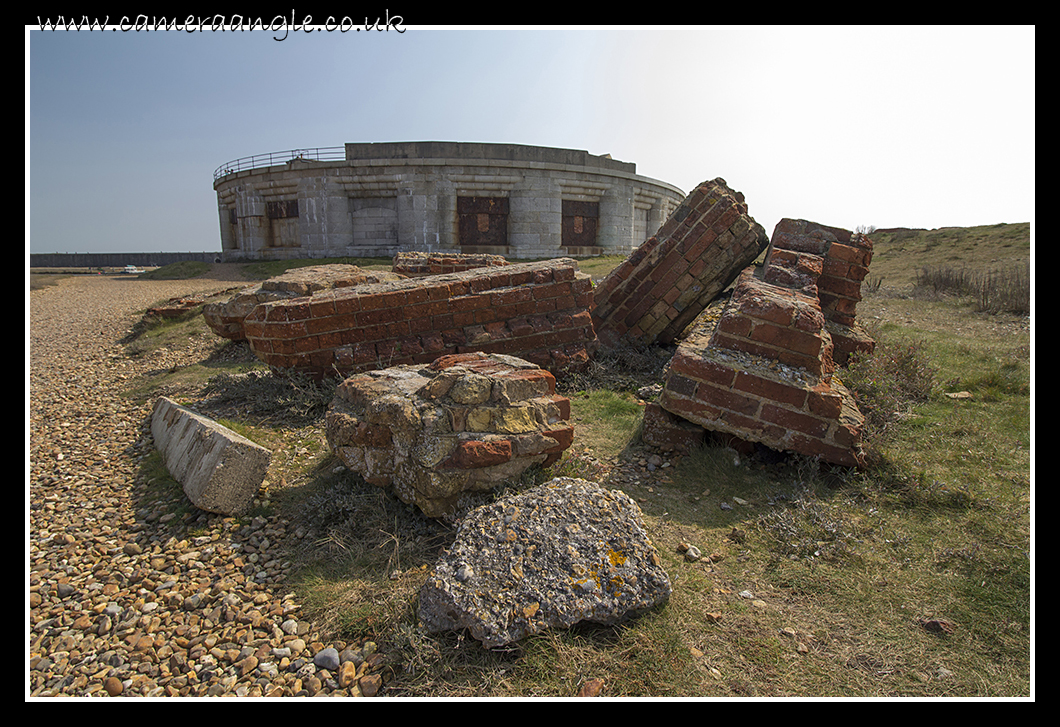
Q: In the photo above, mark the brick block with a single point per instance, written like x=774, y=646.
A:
x=496, y=416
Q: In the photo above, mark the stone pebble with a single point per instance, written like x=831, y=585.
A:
x=126, y=599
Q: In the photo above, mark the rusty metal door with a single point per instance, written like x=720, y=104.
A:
x=483, y=221
x=580, y=222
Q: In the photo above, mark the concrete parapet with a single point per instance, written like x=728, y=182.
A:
x=220, y=470
x=538, y=311
x=665, y=283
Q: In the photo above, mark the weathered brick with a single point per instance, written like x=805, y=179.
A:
x=797, y=421
x=407, y=309
x=701, y=369
x=475, y=453
x=728, y=399
x=662, y=429
x=771, y=389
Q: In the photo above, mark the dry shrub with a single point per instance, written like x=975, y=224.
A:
x=1007, y=290
x=888, y=381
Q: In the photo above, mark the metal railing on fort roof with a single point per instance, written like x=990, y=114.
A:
x=320, y=154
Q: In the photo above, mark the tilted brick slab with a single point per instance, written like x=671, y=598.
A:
x=220, y=470
x=418, y=264
x=464, y=423
x=225, y=318
x=843, y=259
x=764, y=374
x=665, y=283
x=539, y=311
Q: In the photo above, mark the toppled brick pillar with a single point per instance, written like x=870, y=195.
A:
x=537, y=311
x=220, y=470
x=666, y=282
x=464, y=423
x=765, y=374
x=840, y=263
x=564, y=552
x=417, y=264
x=225, y=318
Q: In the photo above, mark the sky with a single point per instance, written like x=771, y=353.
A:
x=888, y=126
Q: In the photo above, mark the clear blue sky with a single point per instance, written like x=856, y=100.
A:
x=847, y=126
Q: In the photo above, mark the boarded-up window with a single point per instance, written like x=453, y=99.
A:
x=283, y=223
x=483, y=221
x=580, y=221
x=281, y=210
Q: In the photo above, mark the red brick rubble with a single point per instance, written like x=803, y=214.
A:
x=538, y=311
x=766, y=371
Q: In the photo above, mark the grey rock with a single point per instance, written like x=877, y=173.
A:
x=565, y=552
x=327, y=659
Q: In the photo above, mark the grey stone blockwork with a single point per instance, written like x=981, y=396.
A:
x=383, y=198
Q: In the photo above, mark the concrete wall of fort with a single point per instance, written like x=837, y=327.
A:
x=507, y=199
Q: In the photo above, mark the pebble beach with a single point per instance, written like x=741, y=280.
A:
x=126, y=598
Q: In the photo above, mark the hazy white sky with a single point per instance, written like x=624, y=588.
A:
x=846, y=126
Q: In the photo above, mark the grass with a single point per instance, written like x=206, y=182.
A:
x=814, y=581
x=899, y=255
x=44, y=280
x=177, y=271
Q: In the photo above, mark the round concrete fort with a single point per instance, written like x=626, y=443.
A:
x=378, y=199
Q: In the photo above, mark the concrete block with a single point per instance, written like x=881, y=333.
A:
x=220, y=470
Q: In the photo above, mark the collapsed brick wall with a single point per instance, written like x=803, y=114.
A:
x=538, y=311
x=765, y=371
x=665, y=283
x=225, y=318
x=418, y=264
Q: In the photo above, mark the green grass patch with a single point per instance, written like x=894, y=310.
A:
x=184, y=270
x=605, y=421
x=598, y=268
